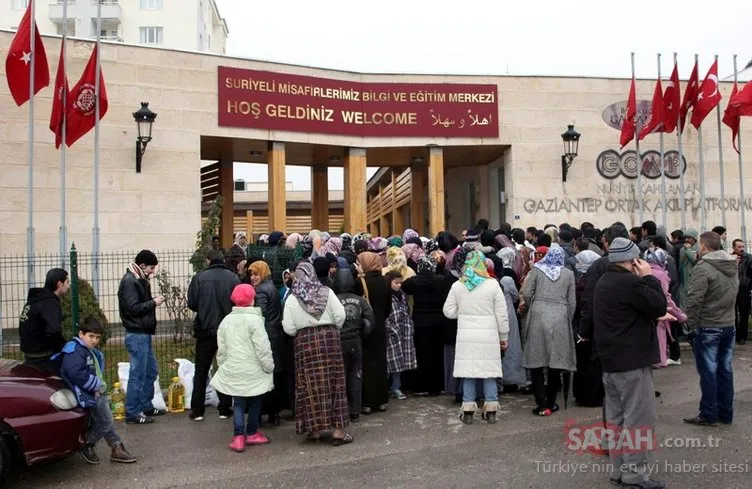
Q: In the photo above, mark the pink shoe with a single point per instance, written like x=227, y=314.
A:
x=238, y=444
x=257, y=438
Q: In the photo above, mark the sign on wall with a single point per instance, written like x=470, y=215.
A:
x=612, y=164
x=614, y=114
x=279, y=101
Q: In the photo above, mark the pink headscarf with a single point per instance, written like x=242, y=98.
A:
x=293, y=240
x=413, y=252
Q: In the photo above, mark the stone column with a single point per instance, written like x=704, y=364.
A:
x=417, y=201
x=227, y=191
x=436, y=214
x=320, y=198
x=355, y=190
x=275, y=161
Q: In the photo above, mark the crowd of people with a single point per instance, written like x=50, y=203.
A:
x=362, y=319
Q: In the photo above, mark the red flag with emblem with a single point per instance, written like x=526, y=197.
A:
x=671, y=102
x=690, y=97
x=57, y=118
x=655, y=118
x=708, y=97
x=628, y=128
x=81, y=102
x=18, y=61
x=740, y=103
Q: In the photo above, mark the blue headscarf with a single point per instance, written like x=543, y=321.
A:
x=551, y=263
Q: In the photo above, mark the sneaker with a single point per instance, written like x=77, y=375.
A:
x=699, y=421
x=88, y=453
x=674, y=363
x=224, y=416
x=237, y=444
x=121, y=455
x=397, y=394
x=154, y=412
x=196, y=417
x=257, y=438
x=140, y=419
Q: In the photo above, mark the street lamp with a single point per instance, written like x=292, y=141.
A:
x=144, y=120
x=571, y=140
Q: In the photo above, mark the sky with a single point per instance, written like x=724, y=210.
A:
x=540, y=37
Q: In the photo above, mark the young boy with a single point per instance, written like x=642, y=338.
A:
x=81, y=369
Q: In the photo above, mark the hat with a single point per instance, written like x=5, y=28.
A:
x=321, y=266
x=146, y=257
x=243, y=295
x=622, y=250
x=691, y=233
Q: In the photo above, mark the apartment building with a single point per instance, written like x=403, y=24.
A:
x=193, y=25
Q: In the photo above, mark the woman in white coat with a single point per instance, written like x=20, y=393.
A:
x=479, y=306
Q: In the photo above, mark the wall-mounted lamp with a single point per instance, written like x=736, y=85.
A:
x=144, y=120
x=571, y=140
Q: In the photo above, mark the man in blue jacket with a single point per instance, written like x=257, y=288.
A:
x=82, y=366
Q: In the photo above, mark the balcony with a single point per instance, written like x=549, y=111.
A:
x=56, y=10
x=111, y=11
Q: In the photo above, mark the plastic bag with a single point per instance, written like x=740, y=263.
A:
x=157, y=401
x=186, y=371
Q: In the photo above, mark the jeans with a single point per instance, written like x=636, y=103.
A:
x=490, y=390
x=240, y=405
x=352, y=353
x=206, y=348
x=713, y=348
x=742, y=314
x=101, y=424
x=142, y=374
x=396, y=381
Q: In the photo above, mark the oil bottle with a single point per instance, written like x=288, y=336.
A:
x=117, y=402
x=176, y=396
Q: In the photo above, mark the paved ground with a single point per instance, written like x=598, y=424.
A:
x=421, y=443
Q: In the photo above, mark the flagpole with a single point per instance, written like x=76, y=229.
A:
x=742, y=202
x=32, y=75
x=95, y=230
x=663, y=164
x=63, y=228
x=682, y=166
x=720, y=161
x=639, y=156
x=701, y=158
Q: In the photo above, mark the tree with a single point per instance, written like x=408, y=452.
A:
x=88, y=307
x=205, y=235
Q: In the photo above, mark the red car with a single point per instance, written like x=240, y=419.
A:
x=40, y=419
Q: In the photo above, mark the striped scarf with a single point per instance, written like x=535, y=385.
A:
x=137, y=271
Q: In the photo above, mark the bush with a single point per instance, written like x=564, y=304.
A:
x=88, y=307
x=176, y=306
x=204, y=237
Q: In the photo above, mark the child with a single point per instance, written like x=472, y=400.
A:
x=359, y=320
x=81, y=369
x=246, y=366
x=400, y=350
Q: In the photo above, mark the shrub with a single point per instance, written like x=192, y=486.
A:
x=204, y=237
x=88, y=307
x=176, y=306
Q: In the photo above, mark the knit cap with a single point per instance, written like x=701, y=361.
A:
x=622, y=250
x=243, y=295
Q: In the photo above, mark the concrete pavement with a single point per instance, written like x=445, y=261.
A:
x=420, y=442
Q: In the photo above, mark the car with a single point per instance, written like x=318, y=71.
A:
x=40, y=420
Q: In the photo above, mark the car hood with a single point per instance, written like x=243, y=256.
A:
x=15, y=370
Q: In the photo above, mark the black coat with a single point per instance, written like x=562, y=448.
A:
x=40, y=328
x=209, y=297
x=359, y=317
x=429, y=295
x=594, y=273
x=267, y=299
x=450, y=325
x=625, y=311
x=375, y=386
x=137, y=307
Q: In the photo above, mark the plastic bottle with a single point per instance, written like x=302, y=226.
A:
x=117, y=402
x=176, y=396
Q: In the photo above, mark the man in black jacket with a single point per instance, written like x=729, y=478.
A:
x=139, y=318
x=744, y=262
x=209, y=297
x=40, y=326
x=627, y=303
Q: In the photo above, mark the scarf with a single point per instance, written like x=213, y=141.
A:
x=369, y=261
x=397, y=261
x=431, y=246
x=395, y=241
x=333, y=246
x=293, y=240
x=137, y=271
x=377, y=245
x=458, y=261
x=507, y=256
x=584, y=259
x=551, y=263
x=427, y=264
x=413, y=252
x=503, y=241
x=474, y=272
x=260, y=268
x=409, y=233
x=656, y=257
x=311, y=294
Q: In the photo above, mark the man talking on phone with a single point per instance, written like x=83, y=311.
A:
x=628, y=302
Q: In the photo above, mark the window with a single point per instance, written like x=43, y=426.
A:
x=151, y=4
x=19, y=4
x=239, y=185
x=151, y=35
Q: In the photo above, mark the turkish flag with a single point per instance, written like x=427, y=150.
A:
x=708, y=98
x=81, y=102
x=628, y=128
x=731, y=117
x=655, y=118
x=18, y=61
x=690, y=96
x=671, y=102
x=740, y=103
x=57, y=118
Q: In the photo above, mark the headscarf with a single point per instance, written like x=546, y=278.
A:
x=306, y=245
x=397, y=261
x=321, y=267
x=540, y=250
x=395, y=241
x=458, y=261
x=431, y=246
x=240, y=235
x=584, y=259
x=440, y=258
x=426, y=264
x=409, y=233
x=360, y=245
x=377, y=245
x=657, y=257
x=446, y=241
x=275, y=238
x=507, y=256
x=261, y=268
x=333, y=246
x=311, y=294
x=490, y=268
x=474, y=272
x=362, y=236
x=552, y=263
x=263, y=239
x=369, y=261
x=347, y=241
x=293, y=240
x=503, y=241
x=413, y=252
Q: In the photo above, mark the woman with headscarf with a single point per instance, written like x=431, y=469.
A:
x=440, y=258
x=395, y=241
x=379, y=246
x=507, y=256
x=514, y=373
x=409, y=233
x=379, y=296
x=502, y=241
x=397, y=261
x=452, y=385
x=413, y=253
x=236, y=253
x=314, y=316
x=333, y=246
x=549, y=293
x=400, y=347
x=482, y=328
x=292, y=241
x=657, y=258
x=276, y=238
x=267, y=299
x=429, y=294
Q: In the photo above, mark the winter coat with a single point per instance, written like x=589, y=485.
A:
x=244, y=355
x=482, y=322
x=592, y=276
x=548, y=338
x=687, y=261
x=79, y=372
x=449, y=325
x=138, y=311
x=359, y=317
x=267, y=299
x=745, y=272
x=514, y=372
x=297, y=318
x=209, y=297
x=711, y=292
x=40, y=327
x=429, y=295
x=625, y=311
x=400, y=345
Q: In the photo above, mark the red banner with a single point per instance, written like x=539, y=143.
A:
x=284, y=102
